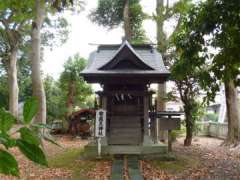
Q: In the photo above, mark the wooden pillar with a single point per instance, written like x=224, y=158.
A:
x=146, y=115
x=146, y=136
x=104, y=102
x=156, y=138
x=104, y=106
x=169, y=141
x=152, y=129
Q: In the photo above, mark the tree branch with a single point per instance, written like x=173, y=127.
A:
x=167, y=6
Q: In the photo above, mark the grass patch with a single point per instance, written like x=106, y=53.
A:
x=178, y=165
x=70, y=159
x=159, y=157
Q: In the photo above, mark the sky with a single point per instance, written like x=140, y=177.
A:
x=83, y=33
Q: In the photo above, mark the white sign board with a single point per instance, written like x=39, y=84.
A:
x=100, y=126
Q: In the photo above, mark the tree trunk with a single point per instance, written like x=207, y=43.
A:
x=12, y=82
x=38, y=89
x=161, y=106
x=70, y=98
x=69, y=104
x=161, y=93
x=189, y=126
x=161, y=41
x=126, y=19
x=189, y=122
x=161, y=36
x=232, y=113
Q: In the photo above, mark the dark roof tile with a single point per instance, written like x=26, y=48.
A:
x=105, y=53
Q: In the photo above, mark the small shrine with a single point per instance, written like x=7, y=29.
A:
x=125, y=73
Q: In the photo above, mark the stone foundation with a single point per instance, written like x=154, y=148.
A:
x=144, y=149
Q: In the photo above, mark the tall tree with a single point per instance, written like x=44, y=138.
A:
x=40, y=9
x=186, y=78
x=164, y=13
x=215, y=24
x=74, y=89
x=126, y=20
x=112, y=13
x=38, y=89
x=14, y=16
x=23, y=74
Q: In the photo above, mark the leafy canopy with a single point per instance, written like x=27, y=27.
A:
x=109, y=13
x=71, y=75
x=209, y=43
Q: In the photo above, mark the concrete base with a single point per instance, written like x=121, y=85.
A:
x=160, y=148
x=147, y=141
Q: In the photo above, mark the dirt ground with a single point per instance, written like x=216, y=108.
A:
x=205, y=159
x=31, y=171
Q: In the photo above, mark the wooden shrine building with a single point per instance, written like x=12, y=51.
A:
x=125, y=72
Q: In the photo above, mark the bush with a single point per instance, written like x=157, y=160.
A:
x=28, y=141
x=178, y=133
x=212, y=117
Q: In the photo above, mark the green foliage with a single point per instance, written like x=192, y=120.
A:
x=72, y=67
x=196, y=110
x=109, y=13
x=211, y=25
x=54, y=99
x=60, y=5
x=3, y=91
x=8, y=164
x=6, y=121
x=24, y=73
x=212, y=117
x=30, y=110
x=15, y=24
x=208, y=46
x=57, y=92
x=71, y=75
x=166, y=13
x=32, y=152
x=178, y=133
x=29, y=136
x=199, y=111
x=55, y=31
x=29, y=142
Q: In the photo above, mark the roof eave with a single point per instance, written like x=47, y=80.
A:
x=116, y=78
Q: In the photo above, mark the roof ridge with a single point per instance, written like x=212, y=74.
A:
x=126, y=43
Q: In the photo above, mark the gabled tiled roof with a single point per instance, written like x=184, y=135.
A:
x=126, y=53
x=106, y=53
